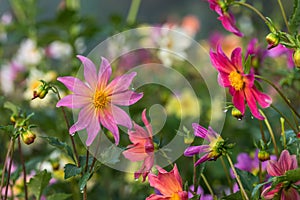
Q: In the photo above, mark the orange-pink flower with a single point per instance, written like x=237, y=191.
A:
x=142, y=148
x=169, y=185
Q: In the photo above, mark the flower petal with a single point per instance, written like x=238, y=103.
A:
x=202, y=159
x=90, y=72
x=228, y=23
x=199, y=131
x=126, y=98
x=121, y=83
x=107, y=120
x=190, y=151
x=263, y=99
x=252, y=104
x=236, y=59
x=104, y=73
x=135, y=153
x=76, y=86
x=84, y=117
x=269, y=194
x=73, y=101
x=120, y=117
x=238, y=101
x=92, y=129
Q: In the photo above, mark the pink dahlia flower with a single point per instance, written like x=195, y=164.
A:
x=169, y=185
x=225, y=17
x=99, y=100
x=241, y=86
x=285, y=163
x=142, y=148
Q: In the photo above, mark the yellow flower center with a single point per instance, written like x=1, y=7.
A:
x=101, y=99
x=175, y=196
x=236, y=80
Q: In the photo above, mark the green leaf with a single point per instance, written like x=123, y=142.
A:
x=110, y=155
x=258, y=186
x=38, y=183
x=247, y=65
x=59, y=196
x=234, y=196
x=71, y=170
x=293, y=175
x=294, y=20
x=83, y=181
x=11, y=107
x=248, y=180
x=60, y=145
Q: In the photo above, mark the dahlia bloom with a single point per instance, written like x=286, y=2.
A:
x=169, y=185
x=142, y=148
x=212, y=151
x=99, y=100
x=225, y=17
x=258, y=54
x=241, y=86
x=285, y=163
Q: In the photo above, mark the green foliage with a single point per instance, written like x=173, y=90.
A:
x=59, y=196
x=248, y=179
x=234, y=196
x=38, y=183
x=110, y=155
x=71, y=170
x=83, y=180
x=294, y=20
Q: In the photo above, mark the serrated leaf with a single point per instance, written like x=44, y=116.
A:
x=294, y=20
x=59, y=196
x=71, y=170
x=248, y=180
x=60, y=145
x=110, y=155
x=38, y=183
x=83, y=181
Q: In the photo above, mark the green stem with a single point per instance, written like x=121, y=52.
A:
x=283, y=132
x=285, y=118
x=243, y=192
x=271, y=132
x=283, y=14
x=86, y=169
x=280, y=93
x=195, y=175
x=23, y=167
x=252, y=8
x=96, y=152
x=9, y=170
x=262, y=132
x=227, y=174
x=133, y=10
x=207, y=185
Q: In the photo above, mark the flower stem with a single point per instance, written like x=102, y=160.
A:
x=133, y=10
x=252, y=8
x=86, y=169
x=96, y=152
x=195, y=175
x=271, y=132
x=23, y=167
x=10, y=146
x=243, y=192
x=280, y=93
x=262, y=132
x=207, y=184
x=283, y=14
x=227, y=174
x=9, y=169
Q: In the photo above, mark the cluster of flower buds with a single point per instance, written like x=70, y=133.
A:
x=41, y=91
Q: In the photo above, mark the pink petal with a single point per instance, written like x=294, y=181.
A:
x=84, y=117
x=135, y=153
x=286, y=161
x=220, y=61
x=202, y=159
x=273, y=168
x=157, y=197
x=252, y=104
x=120, y=117
x=236, y=58
x=104, y=73
x=73, y=101
x=92, y=129
x=290, y=194
x=121, y=83
x=263, y=99
x=192, y=150
x=238, y=101
x=199, y=131
x=138, y=135
x=126, y=98
x=90, y=72
x=228, y=23
x=269, y=194
x=223, y=79
x=108, y=122
x=76, y=86
x=177, y=176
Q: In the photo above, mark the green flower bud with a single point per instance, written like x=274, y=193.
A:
x=263, y=155
x=273, y=40
x=296, y=58
x=28, y=137
x=236, y=113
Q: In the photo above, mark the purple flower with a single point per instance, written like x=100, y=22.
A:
x=199, y=192
x=281, y=50
x=99, y=100
x=257, y=53
x=225, y=17
x=211, y=151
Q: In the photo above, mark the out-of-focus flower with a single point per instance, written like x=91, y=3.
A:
x=168, y=184
x=188, y=105
x=59, y=50
x=9, y=73
x=199, y=192
x=285, y=163
x=281, y=50
x=98, y=99
x=211, y=151
x=191, y=24
x=29, y=54
x=226, y=17
x=257, y=53
x=142, y=148
x=241, y=86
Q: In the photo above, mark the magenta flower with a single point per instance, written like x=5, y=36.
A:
x=168, y=184
x=142, y=148
x=281, y=50
x=257, y=53
x=99, y=100
x=211, y=151
x=285, y=163
x=225, y=17
x=241, y=86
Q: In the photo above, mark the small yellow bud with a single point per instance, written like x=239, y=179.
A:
x=41, y=91
x=28, y=137
x=263, y=155
x=273, y=40
x=296, y=58
x=236, y=113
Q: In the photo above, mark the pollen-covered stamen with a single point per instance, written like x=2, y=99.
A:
x=101, y=99
x=236, y=80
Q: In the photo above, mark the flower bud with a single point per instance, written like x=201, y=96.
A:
x=236, y=113
x=273, y=40
x=296, y=58
x=263, y=155
x=41, y=91
x=28, y=137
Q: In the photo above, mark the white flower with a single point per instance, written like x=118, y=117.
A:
x=59, y=50
x=29, y=54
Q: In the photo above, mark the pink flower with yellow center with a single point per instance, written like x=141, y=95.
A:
x=285, y=163
x=99, y=100
x=211, y=151
x=169, y=185
x=142, y=148
x=227, y=19
x=241, y=86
